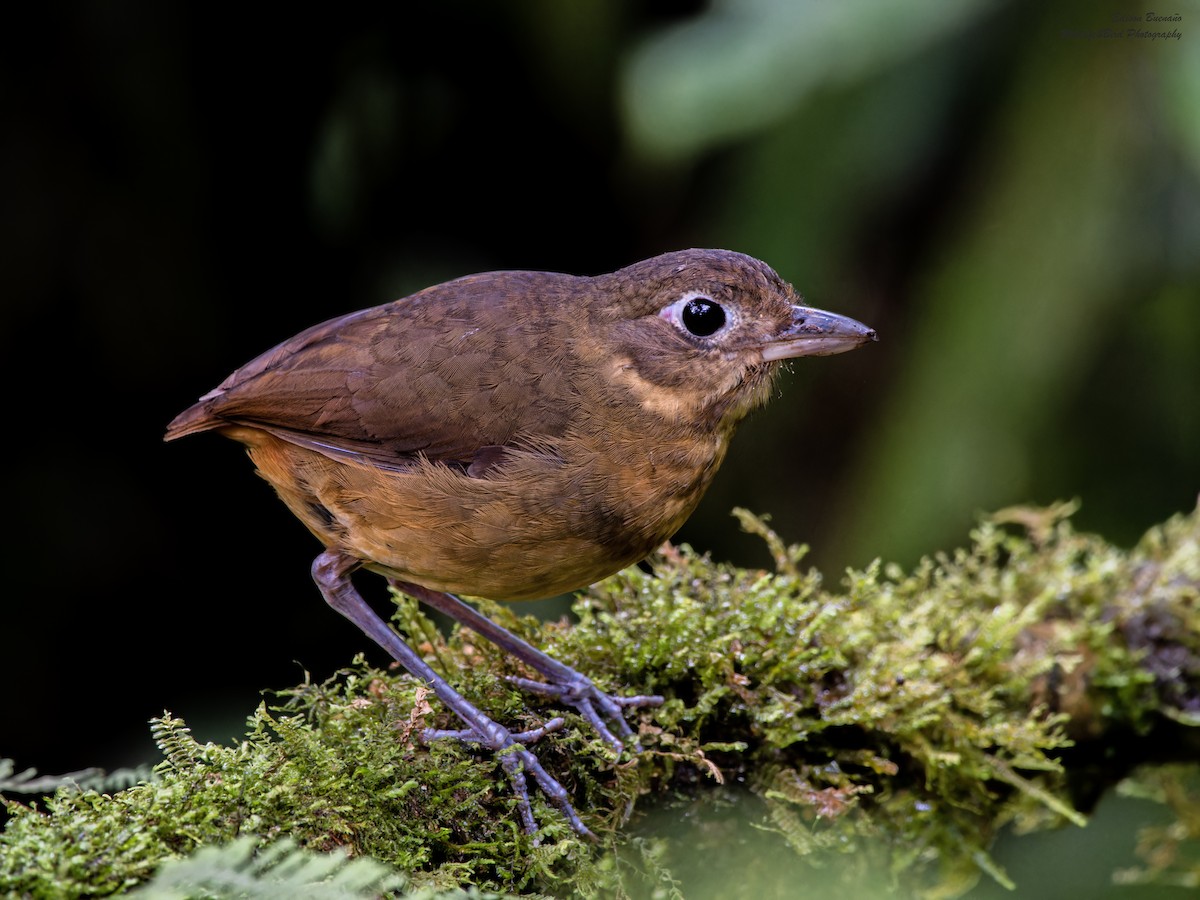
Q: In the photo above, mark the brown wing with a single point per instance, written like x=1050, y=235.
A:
x=452, y=373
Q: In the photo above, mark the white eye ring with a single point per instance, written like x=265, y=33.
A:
x=698, y=315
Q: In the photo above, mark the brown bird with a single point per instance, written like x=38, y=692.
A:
x=515, y=435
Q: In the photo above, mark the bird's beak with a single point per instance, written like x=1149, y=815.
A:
x=814, y=332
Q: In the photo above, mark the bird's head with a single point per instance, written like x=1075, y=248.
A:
x=698, y=333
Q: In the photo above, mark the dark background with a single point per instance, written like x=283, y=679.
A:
x=1008, y=195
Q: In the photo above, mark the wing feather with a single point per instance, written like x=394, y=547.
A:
x=450, y=373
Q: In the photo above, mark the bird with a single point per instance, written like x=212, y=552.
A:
x=514, y=435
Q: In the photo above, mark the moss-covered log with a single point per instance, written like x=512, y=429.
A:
x=897, y=721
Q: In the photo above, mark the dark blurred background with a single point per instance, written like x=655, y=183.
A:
x=1007, y=191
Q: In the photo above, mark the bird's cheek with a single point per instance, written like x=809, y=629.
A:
x=661, y=401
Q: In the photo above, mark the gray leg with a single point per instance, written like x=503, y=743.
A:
x=570, y=687
x=331, y=571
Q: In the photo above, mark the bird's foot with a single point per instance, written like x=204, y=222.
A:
x=562, y=682
x=593, y=704
x=517, y=761
x=331, y=571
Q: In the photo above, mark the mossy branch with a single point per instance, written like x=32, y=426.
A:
x=906, y=716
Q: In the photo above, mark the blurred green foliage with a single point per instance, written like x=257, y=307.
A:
x=1042, y=321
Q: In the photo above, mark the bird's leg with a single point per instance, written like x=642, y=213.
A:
x=331, y=571
x=566, y=685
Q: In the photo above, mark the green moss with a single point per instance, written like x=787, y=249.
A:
x=902, y=718
x=1170, y=853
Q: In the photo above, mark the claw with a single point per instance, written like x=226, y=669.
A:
x=581, y=693
x=519, y=758
x=516, y=760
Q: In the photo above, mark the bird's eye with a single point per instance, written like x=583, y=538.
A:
x=702, y=317
x=696, y=314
